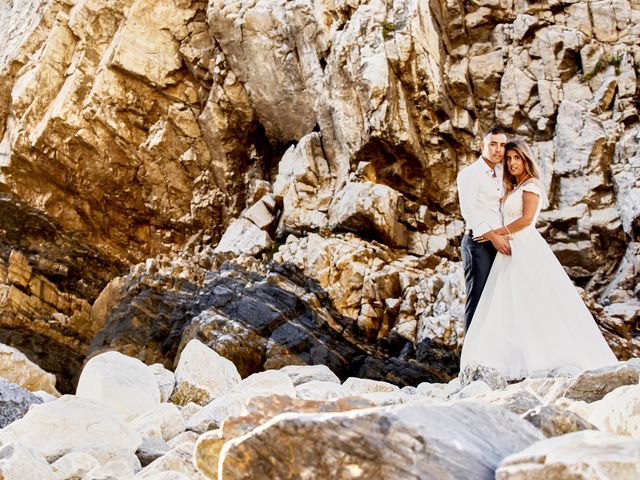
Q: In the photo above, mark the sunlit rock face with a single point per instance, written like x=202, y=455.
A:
x=323, y=134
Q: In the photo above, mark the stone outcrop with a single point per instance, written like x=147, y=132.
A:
x=51, y=326
x=259, y=318
x=17, y=368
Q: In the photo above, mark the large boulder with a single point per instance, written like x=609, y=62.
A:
x=258, y=411
x=593, y=385
x=202, y=375
x=123, y=383
x=414, y=441
x=71, y=423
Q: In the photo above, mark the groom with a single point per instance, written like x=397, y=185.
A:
x=479, y=190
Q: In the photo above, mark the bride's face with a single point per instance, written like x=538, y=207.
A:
x=515, y=163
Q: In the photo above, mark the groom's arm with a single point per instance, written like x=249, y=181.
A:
x=468, y=195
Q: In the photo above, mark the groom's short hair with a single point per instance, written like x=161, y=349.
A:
x=494, y=131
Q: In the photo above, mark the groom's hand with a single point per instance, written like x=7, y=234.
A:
x=500, y=242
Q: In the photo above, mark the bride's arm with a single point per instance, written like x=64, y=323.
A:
x=529, y=206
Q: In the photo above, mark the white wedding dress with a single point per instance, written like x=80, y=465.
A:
x=530, y=317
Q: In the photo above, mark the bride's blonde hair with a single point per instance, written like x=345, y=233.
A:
x=530, y=165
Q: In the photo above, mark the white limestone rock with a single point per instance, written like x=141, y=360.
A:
x=624, y=169
x=320, y=390
x=305, y=186
x=261, y=213
x=366, y=207
x=167, y=475
x=355, y=385
x=121, y=382
x=244, y=237
x=547, y=390
x=188, y=436
x=579, y=139
x=166, y=380
x=516, y=401
x=618, y=412
x=18, y=462
x=435, y=390
x=300, y=374
x=117, y=470
x=74, y=465
x=17, y=368
x=163, y=422
x=189, y=410
x=381, y=399
x=477, y=387
x=588, y=455
x=259, y=384
x=179, y=459
x=44, y=396
x=73, y=423
x=202, y=375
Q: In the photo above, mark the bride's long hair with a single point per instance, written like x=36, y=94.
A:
x=530, y=165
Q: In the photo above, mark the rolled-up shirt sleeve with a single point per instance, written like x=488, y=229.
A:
x=468, y=188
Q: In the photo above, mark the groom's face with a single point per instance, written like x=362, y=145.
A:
x=493, y=147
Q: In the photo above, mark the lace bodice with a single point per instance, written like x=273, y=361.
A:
x=512, y=206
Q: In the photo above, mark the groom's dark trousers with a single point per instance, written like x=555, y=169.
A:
x=477, y=259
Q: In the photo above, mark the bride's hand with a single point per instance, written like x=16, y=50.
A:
x=500, y=242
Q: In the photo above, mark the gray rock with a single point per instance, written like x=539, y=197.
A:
x=593, y=385
x=14, y=402
x=490, y=376
x=300, y=374
x=150, y=450
x=414, y=441
x=586, y=455
x=518, y=401
x=553, y=420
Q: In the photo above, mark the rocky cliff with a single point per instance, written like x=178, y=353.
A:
x=313, y=146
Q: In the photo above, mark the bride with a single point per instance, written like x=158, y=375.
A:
x=530, y=317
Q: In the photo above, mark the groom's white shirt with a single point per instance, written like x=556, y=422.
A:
x=480, y=192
